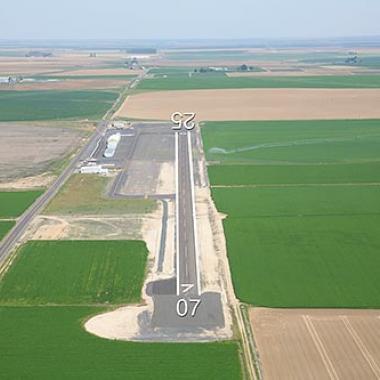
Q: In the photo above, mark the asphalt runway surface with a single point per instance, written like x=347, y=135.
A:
x=179, y=303
x=187, y=256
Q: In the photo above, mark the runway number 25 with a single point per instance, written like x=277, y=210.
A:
x=183, y=119
x=185, y=306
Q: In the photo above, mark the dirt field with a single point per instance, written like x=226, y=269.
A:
x=86, y=228
x=256, y=104
x=60, y=61
x=317, y=344
x=29, y=150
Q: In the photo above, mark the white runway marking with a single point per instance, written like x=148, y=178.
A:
x=190, y=149
x=177, y=209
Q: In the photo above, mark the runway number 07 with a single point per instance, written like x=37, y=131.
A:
x=185, y=306
x=183, y=119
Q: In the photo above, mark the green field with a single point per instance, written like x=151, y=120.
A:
x=52, y=105
x=227, y=174
x=14, y=203
x=312, y=261
x=334, y=141
x=42, y=335
x=182, y=81
x=5, y=226
x=298, y=201
x=86, y=194
x=302, y=201
x=369, y=61
x=247, y=55
x=170, y=70
x=75, y=272
x=48, y=342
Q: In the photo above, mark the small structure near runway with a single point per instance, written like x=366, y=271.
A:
x=93, y=169
x=112, y=143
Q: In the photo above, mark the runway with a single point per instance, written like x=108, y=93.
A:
x=187, y=250
x=180, y=306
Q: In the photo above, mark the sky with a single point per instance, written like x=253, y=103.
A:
x=184, y=19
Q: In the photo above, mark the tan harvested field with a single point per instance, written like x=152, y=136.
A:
x=255, y=104
x=67, y=84
x=29, y=150
x=317, y=344
x=119, y=71
x=59, y=62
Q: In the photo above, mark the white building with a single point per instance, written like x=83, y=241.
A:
x=93, y=169
x=118, y=124
x=112, y=143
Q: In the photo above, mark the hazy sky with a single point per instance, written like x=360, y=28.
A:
x=129, y=19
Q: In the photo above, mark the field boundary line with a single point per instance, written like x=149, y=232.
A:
x=362, y=348
x=320, y=347
x=297, y=185
x=251, y=343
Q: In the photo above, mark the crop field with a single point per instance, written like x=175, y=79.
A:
x=307, y=174
x=14, y=203
x=70, y=76
x=345, y=343
x=237, y=55
x=85, y=194
x=182, y=81
x=302, y=210
x=75, y=272
x=371, y=61
x=44, y=339
x=255, y=104
x=38, y=340
x=5, y=226
x=301, y=142
x=18, y=155
x=52, y=105
x=305, y=252
x=171, y=70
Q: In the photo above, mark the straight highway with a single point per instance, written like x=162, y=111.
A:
x=10, y=240
x=16, y=233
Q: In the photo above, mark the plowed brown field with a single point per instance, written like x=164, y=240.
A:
x=317, y=344
x=255, y=104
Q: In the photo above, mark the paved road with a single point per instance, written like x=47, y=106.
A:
x=185, y=219
x=19, y=229
x=10, y=240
